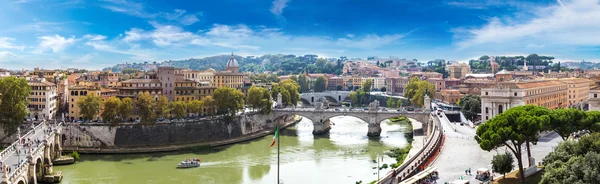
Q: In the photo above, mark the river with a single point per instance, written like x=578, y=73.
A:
x=344, y=156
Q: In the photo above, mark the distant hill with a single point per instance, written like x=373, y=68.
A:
x=284, y=64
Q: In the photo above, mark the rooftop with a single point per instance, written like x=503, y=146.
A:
x=142, y=81
x=40, y=83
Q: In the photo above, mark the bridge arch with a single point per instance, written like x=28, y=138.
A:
x=21, y=180
x=39, y=168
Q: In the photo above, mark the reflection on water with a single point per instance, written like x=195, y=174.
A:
x=345, y=155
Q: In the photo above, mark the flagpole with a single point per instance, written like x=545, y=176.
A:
x=278, y=153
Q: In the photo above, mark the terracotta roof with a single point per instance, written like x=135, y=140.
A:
x=142, y=81
x=536, y=84
x=40, y=83
x=596, y=88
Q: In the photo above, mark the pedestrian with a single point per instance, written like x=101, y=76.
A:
x=466, y=172
x=469, y=171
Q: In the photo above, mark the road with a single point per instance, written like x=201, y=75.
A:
x=461, y=151
x=13, y=159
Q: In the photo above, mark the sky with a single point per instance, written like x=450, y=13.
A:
x=97, y=34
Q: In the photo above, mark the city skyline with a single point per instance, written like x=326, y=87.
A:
x=94, y=35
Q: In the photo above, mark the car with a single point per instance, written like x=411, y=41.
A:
x=336, y=109
x=366, y=109
x=410, y=109
x=399, y=110
x=384, y=109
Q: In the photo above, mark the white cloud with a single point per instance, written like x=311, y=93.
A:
x=94, y=37
x=6, y=56
x=535, y=46
x=278, y=6
x=570, y=23
x=55, y=43
x=85, y=58
x=140, y=10
x=5, y=43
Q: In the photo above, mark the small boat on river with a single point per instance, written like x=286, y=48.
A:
x=189, y=163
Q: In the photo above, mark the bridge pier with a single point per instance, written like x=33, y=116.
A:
x=321, y=127
x=374, y=130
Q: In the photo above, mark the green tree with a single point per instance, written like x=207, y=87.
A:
x=565, y=121
x=253, y=99
x=591, y=122
x=162, y=106
x=209, y=104
x=470, y=106
x=357, y=97
x=179, y=109
x=513, y=128
x=416, y=89
x=266, y=105
x=228, y=101
x=503, y=163
x=319, y=85
x=303, y=82
x=196, y=106
x=366, y=85
x=89, y=106
x=339, y=87
x=320, y=62
x=574, y=161
x=145, y=104
x=291, y=87
x=399, y=103
x=13, y=102
x=285, y=97
x=391, y=103
x=484, y=57
x=111, y=109
x=383, y=89
x=125, y=109
x=350, y=87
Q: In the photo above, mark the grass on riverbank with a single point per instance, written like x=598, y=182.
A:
x=401, y=153
x=514, y=177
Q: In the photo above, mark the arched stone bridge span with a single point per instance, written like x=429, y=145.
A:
x=373, y=117
x=333, y=96
x=26, y=161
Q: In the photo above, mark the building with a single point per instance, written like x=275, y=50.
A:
x=166, y=77
x=504, y=75
x=108, y=79
x=42, y=99
x=439, y=83
x=185, y=90
x=230, y=77
x=205, y=76
x=594, y=99
x=426, y=75
x=578, y=91
x=396, y=85
x=458, y=70
x=78, y=92
x=132, y=87
x=334, y=82
x=550, y=94
x=450, y=96
x=551, y=74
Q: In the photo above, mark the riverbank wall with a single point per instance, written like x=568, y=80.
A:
x=161, y=137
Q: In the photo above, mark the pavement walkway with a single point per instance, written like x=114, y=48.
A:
x=419, y=139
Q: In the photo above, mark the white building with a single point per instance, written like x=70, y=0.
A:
x=42, y=99
x=205, y=77
x=378, y=82
x=594, y=99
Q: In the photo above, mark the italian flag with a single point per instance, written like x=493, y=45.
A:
x=276, y=135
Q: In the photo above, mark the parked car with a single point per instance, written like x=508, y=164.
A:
x=336, y=109
x=410, y=109
x=366, y=109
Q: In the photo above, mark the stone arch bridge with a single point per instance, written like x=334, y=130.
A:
x=29, y=162
x=336, y=97
x=373, y=117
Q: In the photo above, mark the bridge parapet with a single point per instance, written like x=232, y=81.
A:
x=12, y=148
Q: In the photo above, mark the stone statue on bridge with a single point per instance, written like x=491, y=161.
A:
x=374, y=106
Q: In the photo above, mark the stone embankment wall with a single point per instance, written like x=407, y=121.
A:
x=165, y=134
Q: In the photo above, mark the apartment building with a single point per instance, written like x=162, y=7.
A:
x=395, y=85
x=577, y=92
x=42, y=99
x=550, y=94
x=458, y=70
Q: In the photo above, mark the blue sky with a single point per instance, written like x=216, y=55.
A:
x=96, y=34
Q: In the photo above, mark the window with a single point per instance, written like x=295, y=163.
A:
x=486, y=110
x=486, y=117
x=515, y=93
x=486, y=93
x=595, y=95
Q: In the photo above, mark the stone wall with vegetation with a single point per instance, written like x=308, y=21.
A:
x=165, y=134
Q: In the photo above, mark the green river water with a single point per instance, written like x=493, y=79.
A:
x=344, y=156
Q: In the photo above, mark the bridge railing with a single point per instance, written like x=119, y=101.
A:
x=12, y=148
x=23, y=166
x=409, y=167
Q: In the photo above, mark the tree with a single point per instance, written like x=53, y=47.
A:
x=339, y=87
x=13, y=102
x=162, y=106
x=503, y=163
x=291, y=87
x=285, y=97
x=196, y=106
x=125, y=108
x=470, y=106
x=228, y=101
x=574, y=161
x=350, y=87
x=416, y=89
x=357, y=97
x=391, y=103
x=111, y=110
x=253, y=99
x=565, y=121
x=266, y=104
x=513, y=128
x=145, y=104
x=484, y=57
x=303, y=82
x=366, y=85
x=383, y=89
x=319, y=85
x=209, y=104
x=179, y=109
x=320, y=62
x=89, y=106
x=399, y=103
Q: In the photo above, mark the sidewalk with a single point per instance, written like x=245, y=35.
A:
x=419, y=140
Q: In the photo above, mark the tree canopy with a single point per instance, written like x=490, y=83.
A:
x=178, y=108
x=470, y=106
x=228, y=101
x=320, y=84
x=162, y=106
x=366, y=85
x=503, y=163
x=13, y=102
x=110, y=111
x=125, y=109
x=145, y=104
x=415, y=91
x=574, y=161
x=89, y=106
x=513, y=128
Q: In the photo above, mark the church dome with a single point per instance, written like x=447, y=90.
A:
x=232, y=64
